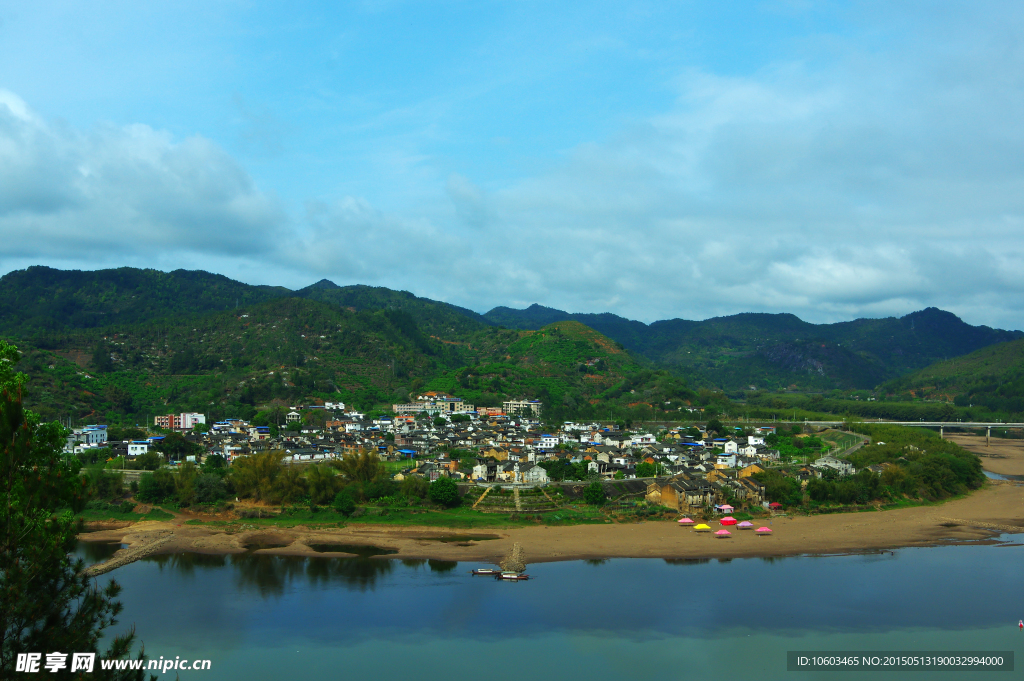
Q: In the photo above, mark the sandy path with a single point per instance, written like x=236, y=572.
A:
x=983, y=515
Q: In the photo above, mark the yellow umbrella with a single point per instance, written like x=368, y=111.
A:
x=703, y=528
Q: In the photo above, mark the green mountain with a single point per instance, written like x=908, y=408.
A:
x=296, y=350
x=42, y=300
x=72, y=312
x=574, y=370
x=773, y=351
x=435, y=318
x=992, y=377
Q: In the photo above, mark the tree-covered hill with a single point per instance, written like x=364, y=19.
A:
x=286, y=348
x=775, y=351
x=45, y=307
x=43, y=299
x=992, y=377
x=434, y=317
x=574, y=370
x=297, y=350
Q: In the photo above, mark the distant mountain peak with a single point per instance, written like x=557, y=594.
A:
x=325, y=284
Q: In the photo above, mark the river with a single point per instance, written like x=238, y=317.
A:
x=268, y=617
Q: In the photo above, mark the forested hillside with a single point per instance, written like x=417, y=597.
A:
x=775, y=351
x=992, y=377
x=296, y=350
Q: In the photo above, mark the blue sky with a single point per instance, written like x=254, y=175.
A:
x=656, y=160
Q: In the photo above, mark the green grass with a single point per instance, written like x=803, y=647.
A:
x=92, y=515
x=393, y=467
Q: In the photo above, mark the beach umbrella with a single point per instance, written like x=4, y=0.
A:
x=703, y=528
x=775, y=504
x=722, y=534
x=728, y=520
x=685, y=521
x=745, y=525
x=763, y=530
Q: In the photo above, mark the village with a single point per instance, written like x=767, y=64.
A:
x=683, y=468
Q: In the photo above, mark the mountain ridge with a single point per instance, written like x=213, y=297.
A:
x=733, y=352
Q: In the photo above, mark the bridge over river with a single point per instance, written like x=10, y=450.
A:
x=941, y=425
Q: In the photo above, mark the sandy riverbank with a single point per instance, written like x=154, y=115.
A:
x=983, y=515
x=1005, y=457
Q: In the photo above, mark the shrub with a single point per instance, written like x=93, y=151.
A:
x=414, y=487
x=343, y=503
x=155, y=487
x=380, y=488
x=444, y=491
x=594, y=494
x=209, y=487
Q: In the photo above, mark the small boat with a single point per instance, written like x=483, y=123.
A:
x=512, y=576
x=484, y=571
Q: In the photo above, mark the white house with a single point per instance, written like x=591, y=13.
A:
x=840, y=465
x=138, y=447
x=533, y=474
x=727, y=460
x=731, y=447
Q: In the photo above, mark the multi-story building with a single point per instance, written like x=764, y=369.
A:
x=184, y=421
x=434, y=403
x=89, y=436
x=521, y=406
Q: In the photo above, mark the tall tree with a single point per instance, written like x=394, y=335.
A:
x=47, y=603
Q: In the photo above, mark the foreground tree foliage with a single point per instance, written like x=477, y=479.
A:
x=47, y=604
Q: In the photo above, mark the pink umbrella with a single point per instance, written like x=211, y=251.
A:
x=745, y=525
x=775, y=504
x=728, y=520
x=726, y=508
x=721, y=534
x=686, y=521
x=763, y=530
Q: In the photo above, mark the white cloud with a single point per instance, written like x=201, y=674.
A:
x=113, y=193
x=872, y=173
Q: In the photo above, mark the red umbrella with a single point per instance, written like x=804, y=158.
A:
x=775, y=504
x=728, y=520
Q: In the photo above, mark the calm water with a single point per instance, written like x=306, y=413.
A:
x=268, y=617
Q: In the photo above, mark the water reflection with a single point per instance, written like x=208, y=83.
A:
x=361, y=550
x=96, y=552
x=687, y=561
x=187, y=563
x=595, y=561
x=442, y=566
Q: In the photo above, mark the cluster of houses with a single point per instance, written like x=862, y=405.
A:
x=693, y=468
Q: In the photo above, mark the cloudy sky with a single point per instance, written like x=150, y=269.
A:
x=656, y=160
